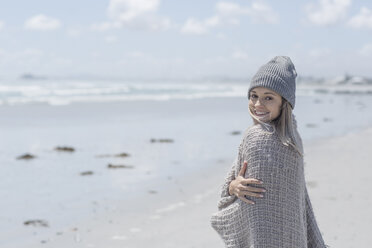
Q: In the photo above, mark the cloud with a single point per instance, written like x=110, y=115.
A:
x=261, y=12
x=228, y=13
x=366, y=50
x=362, y=20
x=194, y=26
x=129, y=10
x=136, y=14
x=42, y=23
x=327, y=12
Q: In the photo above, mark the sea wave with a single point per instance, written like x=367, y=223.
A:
x=64, y=93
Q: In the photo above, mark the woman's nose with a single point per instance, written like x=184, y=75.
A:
x=258, y=103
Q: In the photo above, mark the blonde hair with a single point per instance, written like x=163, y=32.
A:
x=285, y=126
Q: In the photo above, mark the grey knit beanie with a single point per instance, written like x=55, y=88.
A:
x=279, y=75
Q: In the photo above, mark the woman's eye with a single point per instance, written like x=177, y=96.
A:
x=268, y=98
x=254, y=96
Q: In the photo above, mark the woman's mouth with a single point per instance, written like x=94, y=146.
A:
x=260, y=113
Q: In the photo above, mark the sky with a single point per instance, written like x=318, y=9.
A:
x=183, y=38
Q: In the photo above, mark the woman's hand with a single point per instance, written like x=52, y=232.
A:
x=239, y=186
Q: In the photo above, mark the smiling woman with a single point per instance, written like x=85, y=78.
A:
x=264, y=200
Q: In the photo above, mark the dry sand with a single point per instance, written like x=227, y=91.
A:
x=339, y=181
x=338, y=175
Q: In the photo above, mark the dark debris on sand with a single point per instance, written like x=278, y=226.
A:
x=64, y=149
x=26, y=156
x=41, y=223
x=121, y=166
x=86, y=173
x=161, y=140
x=121, y=155
x=326, y=119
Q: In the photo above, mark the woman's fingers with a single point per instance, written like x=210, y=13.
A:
x=242, y=191
x=243, y=169
x=248, y=193
x=246, y=200
x=252, y=189
x=251, y=181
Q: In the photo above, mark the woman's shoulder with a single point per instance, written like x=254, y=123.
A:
x=259, y=129
x=259, y=132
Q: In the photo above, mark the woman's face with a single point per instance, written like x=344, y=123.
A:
x=265, y=104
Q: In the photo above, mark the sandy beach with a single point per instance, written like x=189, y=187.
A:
x=167, y=197
x=337, y=177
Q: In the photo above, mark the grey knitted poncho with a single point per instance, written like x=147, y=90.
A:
x=283, y=218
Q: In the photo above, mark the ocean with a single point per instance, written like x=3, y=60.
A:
x=64, y=92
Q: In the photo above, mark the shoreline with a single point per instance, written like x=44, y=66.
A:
x=313, y=112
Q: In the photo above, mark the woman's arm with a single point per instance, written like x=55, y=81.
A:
x=239, y=186
x=235, y=185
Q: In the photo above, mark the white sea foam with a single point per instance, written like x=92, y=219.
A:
x=67, y=92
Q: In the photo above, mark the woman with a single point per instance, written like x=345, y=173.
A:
x=264, y=201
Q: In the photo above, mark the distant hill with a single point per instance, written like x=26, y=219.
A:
x=340, y=80
x=29, y=76
x=350, y=80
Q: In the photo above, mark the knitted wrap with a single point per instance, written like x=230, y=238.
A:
x=279, y=75
x=283, y=218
